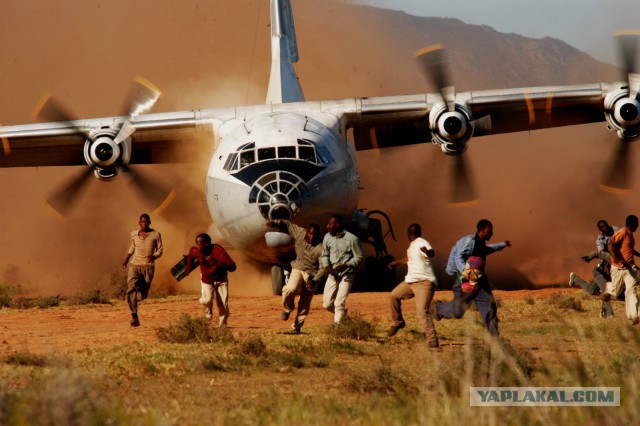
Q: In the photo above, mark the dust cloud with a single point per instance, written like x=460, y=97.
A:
x=539, y=189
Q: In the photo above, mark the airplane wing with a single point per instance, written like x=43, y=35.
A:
x=404, y=120
x=173, y=137
x=447, y=119
x=376, y=122
x=158, y=138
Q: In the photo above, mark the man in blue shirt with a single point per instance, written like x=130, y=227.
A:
x=472, y=246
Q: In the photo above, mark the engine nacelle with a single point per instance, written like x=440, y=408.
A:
x=104, y=155
x=623, y=114
x=451, y=130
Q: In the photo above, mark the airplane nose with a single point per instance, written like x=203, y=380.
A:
x=279, y=207
x=280, y=212
x=278, y=194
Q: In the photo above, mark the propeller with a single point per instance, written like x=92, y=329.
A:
x=142, y=97
x=616, y=177
x=452, y=124
x=617, y=173
x=155, y=192
x=433, y=62
x=60, y=201
x=462, y=190
x=628, y=51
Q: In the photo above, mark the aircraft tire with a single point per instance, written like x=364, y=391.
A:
x=277, y=280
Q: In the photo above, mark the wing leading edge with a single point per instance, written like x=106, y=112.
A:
x=377, y=123
x=158, y=138
x=405, y=120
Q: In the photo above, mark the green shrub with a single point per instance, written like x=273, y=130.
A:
x=6, y=295
x=188, y=330
x=382, y=380
x=568, y=302
x=90, y=297
x=355, y=327
x=47, y=302
x=253, y=345
x=21, y=303
x=66, y=398
x=38, y=302
x=25, y=359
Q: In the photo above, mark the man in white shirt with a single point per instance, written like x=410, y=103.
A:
x=420, y=282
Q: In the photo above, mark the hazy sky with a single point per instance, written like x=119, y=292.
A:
x=585, y=24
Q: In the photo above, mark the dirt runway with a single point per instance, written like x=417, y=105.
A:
x=71, y=328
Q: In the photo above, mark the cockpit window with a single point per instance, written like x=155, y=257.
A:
x=227, y=164
x=304, y=150
x=247, y=158
x=307, y=153
x=232, y=162
x=266, y=154
x=287, y=152
x=250, y=145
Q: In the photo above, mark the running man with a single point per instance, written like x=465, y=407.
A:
x=214, y=282
x=420, y=282
x=306, y=273
x=341, y=254
x=469, y=252
x=144, y=249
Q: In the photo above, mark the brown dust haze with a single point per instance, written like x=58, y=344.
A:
x=539, y=189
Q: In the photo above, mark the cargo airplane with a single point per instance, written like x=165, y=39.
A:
x=270, y=159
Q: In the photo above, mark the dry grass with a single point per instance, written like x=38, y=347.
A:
x=192, y=330
x=87, y=297
x=321, y=378
x=568, y=302
x=25, y=359
x=353, y=327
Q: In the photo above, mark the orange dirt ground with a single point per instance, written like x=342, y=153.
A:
x=71, y=328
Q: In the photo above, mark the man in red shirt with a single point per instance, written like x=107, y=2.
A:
x=623, y=268
x=214, y=265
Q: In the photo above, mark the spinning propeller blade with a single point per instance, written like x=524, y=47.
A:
x=143, y=96
x=462, y=190
x=618, y=172
x=616, y=177
x=156, y=193
x=62, y=199
x=434, y=64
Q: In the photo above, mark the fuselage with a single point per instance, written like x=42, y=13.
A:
x=267, y=165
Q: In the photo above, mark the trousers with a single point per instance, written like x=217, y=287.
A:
x=423, y=293
x=334, y=298
x=220, y=292
x=138, y=284
x=482, y=296
x=297, y=280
